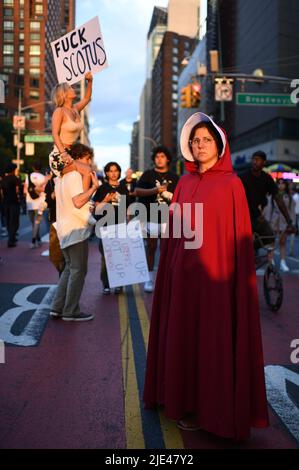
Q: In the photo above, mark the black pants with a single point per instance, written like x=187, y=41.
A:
x=12, y=217
x=104, y=275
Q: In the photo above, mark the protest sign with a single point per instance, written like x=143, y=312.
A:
x=78, y=52
x=124, y=254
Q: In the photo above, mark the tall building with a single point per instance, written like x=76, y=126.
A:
x=155, y=36
x=26, y=64
x=183, y=17
x=261, y=35
x=165, y=92
x=134, y=146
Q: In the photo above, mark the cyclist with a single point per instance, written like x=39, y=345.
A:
x=258, y=185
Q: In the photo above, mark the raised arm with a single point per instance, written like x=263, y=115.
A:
x=81, y=104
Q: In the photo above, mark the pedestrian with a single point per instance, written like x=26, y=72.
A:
x=205, y=359
x=11, y=202
x=155, y=188
x=34, y=191
x=258, y=186
x=66, y=128
x=110, y=193
x=55, y=252
x=130, y=183
x=73, y=233
x=278, y=221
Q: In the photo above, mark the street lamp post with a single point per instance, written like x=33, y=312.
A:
x=20, y=109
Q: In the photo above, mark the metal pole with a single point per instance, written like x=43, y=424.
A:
x=19, y=133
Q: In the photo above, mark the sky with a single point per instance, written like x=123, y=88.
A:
x=117, y=89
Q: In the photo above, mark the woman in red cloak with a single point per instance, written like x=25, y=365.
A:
x=205, y=358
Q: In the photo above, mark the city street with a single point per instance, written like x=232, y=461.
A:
x=79, y=385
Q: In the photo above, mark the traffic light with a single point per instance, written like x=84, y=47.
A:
x=195, y=94
x=186, y=96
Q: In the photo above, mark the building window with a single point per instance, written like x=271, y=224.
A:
x=174, y=96
x=21, y=47
x=21, y=36
x=21, y=2
x=175, y=78
x=34, y=82
x=7, y=12
x=34, y=94
x=175, y=41
x=34, y=50
x=19, y=80
x=175, y=68
x=8, y=37
x=34, y=60
x=8, y=49
x=34, y=71
x=21, y=59
x=8, y=25
x=175, y=60
x=8, y=60
x=34, y=37
x=21, y=24
x=175, y=50
x=186, y=45
x=7, y=3
x=39, y=9
x=21, y=71
x=35, y=25
x=22, y=13
x=33, y=117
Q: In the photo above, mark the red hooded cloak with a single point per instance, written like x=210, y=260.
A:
x=205, y=351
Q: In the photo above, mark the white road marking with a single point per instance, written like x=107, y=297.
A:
x=32, y=331
x=279, y=399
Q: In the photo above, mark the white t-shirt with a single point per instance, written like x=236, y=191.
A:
x=71, y=228
x=37, y=179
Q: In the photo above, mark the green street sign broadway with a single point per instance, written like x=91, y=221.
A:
x=38, y=138
x=263, y=99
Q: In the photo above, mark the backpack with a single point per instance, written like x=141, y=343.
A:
x=31, y=189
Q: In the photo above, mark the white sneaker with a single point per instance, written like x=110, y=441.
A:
x=283, y=266
x=148, y=286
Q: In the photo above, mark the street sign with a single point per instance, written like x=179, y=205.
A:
x=38, y=138
x=20, y=162
x=29, y=149
x=19, y=122
x=264, y=99
x=223, y=91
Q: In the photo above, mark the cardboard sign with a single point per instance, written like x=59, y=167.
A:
x=124, y=254
x=78, y=52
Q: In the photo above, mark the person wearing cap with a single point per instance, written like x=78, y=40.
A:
x=155, y=187
x=10, y=186
x=205, y=360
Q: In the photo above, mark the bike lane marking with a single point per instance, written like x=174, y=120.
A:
x=18, y=326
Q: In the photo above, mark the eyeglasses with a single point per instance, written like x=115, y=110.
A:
x=204, y=141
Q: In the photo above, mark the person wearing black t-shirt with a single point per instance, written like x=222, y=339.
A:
x=110, y=192
x=10, y=185
x=130, y=183
x=258, y=185
x=156, y=186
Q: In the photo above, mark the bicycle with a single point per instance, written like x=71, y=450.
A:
x=272, y=282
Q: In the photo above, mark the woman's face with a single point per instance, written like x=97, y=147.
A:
x=113, y=173
x=204, y=148
x=71, y=94
x=281, y=185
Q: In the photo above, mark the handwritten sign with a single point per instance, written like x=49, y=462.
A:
x=124, y=254
x=78, y=52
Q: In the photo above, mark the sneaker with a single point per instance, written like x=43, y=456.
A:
x=80, y=317
x=118, y=290
x=106, y=291
x=55, y=314
x=148, y=286
x=283, y=266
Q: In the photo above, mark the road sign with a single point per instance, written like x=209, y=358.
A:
x=223, y=91
x=29, y=149
x=20, y=162
x=19, y=122
x=38, y=138
x=264, y=99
